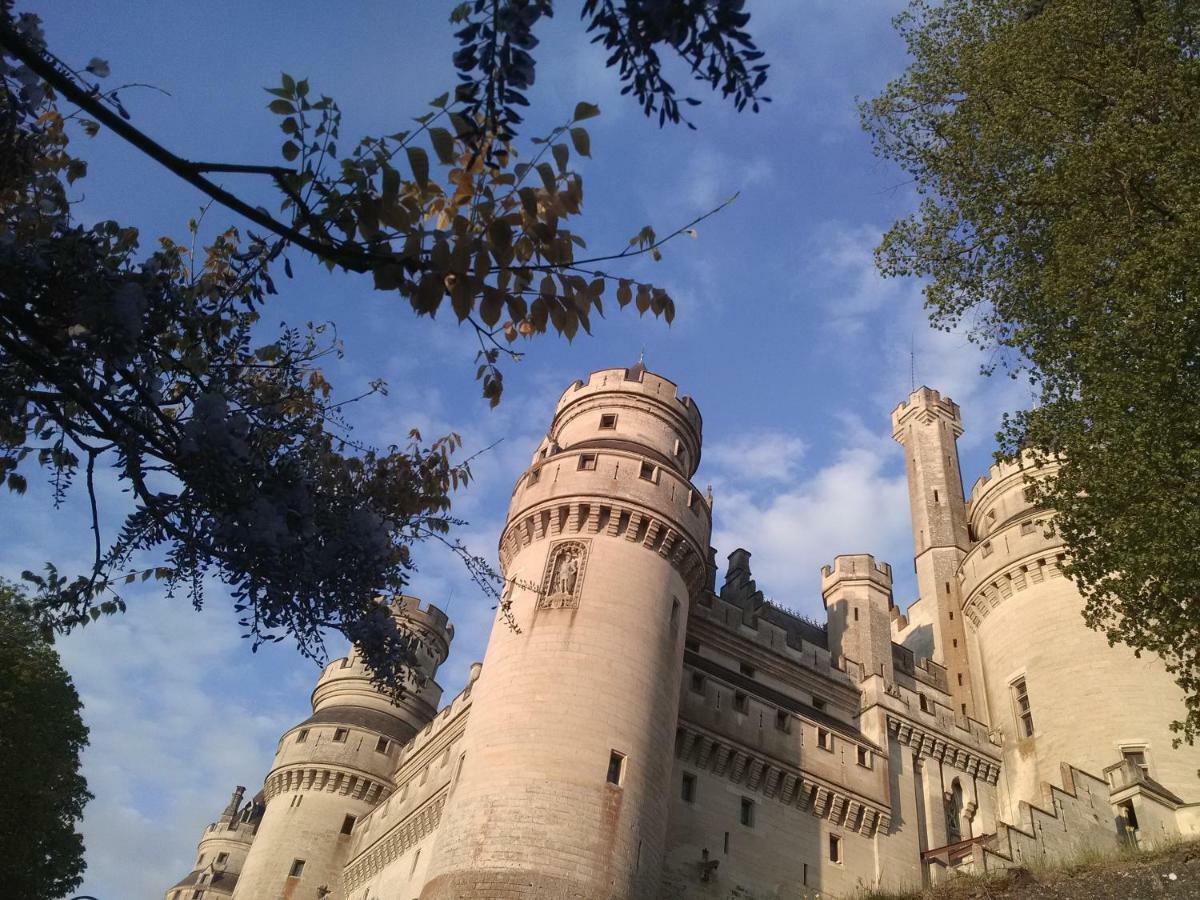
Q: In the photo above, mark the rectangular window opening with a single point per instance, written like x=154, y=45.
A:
x=222, y=858
x=746, y=670
x=1137, y=756
x=697, y=682
x=1023, y=709
x=648, y=472
x=688, y=788
x=693, y=646
x=297, y=868
x=608, y=421
x=864, y=758
x=340, y=735
x=348, y=824
x=302, y=736
x=825, y=739
x=381, y=746
x=616, y=768
x=747, y=817
x=835, y=849
x=741, y=702
x=818, y=704
x=534, y=475
x=587, y=462
x=783, y=721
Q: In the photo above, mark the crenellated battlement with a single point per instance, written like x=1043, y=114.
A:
x=856, y=567
x=925, y=405
x=637, y=381
x=445, y=716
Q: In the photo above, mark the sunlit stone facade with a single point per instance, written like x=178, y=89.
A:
x=646, y=732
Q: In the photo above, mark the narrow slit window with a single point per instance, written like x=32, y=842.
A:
x=348, y=824
x=616, y=768
x=587, y=462
x=856, y=614
x=687, y=789
x=608, y=421
x=1023, y=709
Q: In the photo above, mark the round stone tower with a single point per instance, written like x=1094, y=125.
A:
x=565, y=783
x=337, y=764
x=1054, y=688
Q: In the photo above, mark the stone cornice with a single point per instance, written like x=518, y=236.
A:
x=1017, y=576
x=360, y=786
x=933, y=745
x=582, y=516
x=394, y=843
x=779, y=781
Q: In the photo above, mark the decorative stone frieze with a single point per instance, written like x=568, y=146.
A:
x=614, y=520
x=331, y=780
x=779, y=782
x=987, y=596
x=926, y=744
x=395, y=842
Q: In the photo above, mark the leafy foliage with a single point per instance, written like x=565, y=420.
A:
x=42, y=792
x=235, y=455
x=227, y=437
x=1054, y=147
x=496, y=66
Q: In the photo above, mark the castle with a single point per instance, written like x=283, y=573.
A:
x=646, y=734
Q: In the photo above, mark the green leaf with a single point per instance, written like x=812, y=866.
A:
x=418, y=161
x=582, y=142
x=585, y=111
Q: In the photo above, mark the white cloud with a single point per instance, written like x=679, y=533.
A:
x=853, y=504
x=766, y=455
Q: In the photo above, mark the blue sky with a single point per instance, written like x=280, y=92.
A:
x=793, y=347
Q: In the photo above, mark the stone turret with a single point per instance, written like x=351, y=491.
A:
x=1040, y=663
x=928, y=425
x=857, y=592
x=222, y=851
x=565, y=785
x=336, y=765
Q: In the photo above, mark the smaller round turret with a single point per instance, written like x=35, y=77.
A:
x=222, y=850
x=336, y=765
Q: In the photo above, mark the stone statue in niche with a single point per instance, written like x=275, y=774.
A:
x=564, y=575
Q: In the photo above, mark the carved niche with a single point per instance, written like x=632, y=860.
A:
x=563, y=581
